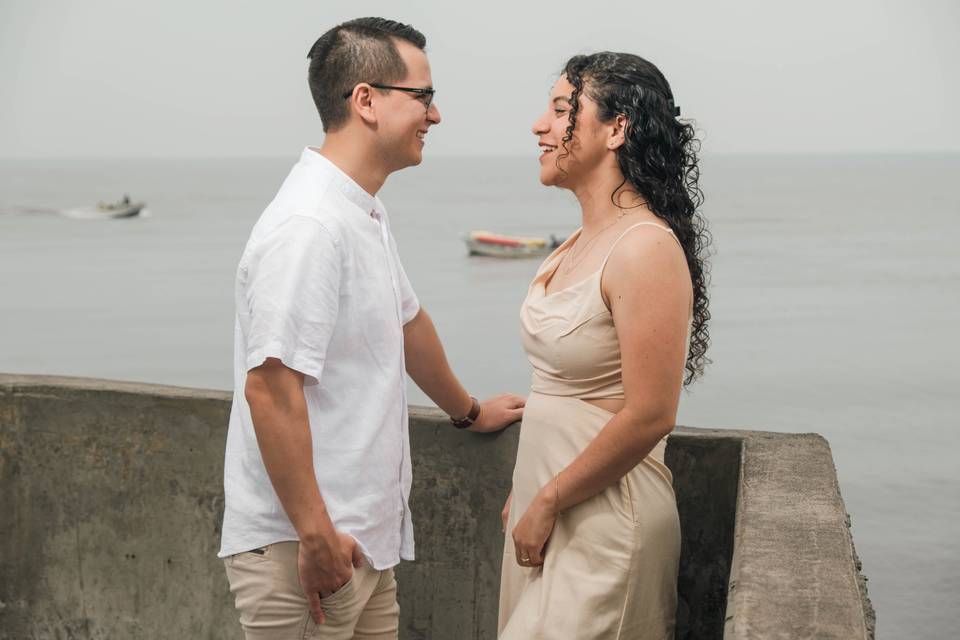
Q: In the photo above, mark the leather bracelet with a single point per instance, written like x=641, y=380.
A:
x=470, y=418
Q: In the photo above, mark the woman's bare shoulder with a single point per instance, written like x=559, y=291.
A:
x=646, y=257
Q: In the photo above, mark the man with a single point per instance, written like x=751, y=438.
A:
x=317, y=474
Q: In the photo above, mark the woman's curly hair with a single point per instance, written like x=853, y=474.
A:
x=658, y=158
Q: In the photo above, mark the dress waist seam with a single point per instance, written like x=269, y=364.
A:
x=575, y=396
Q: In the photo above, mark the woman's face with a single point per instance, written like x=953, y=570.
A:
x=588, y=148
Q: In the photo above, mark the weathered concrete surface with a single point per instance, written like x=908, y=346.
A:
x=706, y=475
x=109, y=504
x=795, y=573
x=460, y=483
x=111, y=498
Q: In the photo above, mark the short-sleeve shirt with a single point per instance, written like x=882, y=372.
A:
x=321, y=288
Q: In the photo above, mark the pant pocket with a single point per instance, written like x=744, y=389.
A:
x=251, y=579
x=342, y=594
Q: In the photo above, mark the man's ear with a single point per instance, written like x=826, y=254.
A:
x=361, y=103
x=618, y=132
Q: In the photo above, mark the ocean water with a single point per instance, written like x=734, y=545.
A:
x=836, y=282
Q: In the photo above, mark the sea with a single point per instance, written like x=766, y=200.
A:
x=835, y=295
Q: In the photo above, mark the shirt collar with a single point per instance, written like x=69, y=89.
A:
x=344, y=183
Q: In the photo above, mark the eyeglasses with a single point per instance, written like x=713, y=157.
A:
x=424, y=95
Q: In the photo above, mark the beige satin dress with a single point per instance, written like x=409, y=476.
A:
x=610, y=569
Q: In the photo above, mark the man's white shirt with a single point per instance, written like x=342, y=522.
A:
x=320, y=287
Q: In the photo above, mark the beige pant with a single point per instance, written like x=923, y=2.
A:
x=272, y=605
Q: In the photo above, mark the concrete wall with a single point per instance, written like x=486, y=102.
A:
x=794, y=572
x=706, y=475
x=109, y=511
x=111, y=498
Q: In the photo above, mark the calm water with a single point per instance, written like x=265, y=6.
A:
x=835, y=284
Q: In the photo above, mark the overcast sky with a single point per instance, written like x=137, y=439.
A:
x=214, y=78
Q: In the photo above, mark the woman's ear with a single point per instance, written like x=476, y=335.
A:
x=618, y=132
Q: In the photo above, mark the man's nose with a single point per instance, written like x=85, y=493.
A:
x=433, y=113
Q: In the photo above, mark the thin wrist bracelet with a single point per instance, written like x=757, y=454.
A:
x=470, y=418
x=556, y=485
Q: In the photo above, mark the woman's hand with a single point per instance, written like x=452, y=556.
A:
x=533, y=530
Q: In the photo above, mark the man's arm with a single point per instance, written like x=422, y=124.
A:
x=427, y=364
x=274, y=393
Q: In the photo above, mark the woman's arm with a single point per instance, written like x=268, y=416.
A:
x=647, y=286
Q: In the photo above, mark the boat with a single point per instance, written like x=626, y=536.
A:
x=121, y=209
x=494, y=245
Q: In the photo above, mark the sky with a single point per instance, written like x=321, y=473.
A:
x=211, y=78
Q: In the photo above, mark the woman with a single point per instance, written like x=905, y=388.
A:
x=614, y=323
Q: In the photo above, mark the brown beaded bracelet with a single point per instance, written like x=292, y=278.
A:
x=470, y=418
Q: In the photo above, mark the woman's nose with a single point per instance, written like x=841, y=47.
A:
x=538, y=126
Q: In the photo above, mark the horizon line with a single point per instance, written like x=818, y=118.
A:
x=725, y=154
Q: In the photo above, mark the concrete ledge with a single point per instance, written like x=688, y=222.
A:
x=706, y=474
x=111, y=495
x=795, y=572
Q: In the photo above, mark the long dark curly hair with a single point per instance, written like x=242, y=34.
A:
x=659, y=160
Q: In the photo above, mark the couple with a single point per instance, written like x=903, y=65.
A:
x=317, y=473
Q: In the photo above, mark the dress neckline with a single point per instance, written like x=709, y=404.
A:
x=552, y=268
x=553, y=263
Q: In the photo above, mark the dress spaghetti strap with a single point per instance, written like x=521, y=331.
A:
x=631, y=228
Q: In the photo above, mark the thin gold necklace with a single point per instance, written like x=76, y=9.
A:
x=574, y=261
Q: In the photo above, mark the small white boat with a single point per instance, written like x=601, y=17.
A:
x=122, y=209
x=486, y=243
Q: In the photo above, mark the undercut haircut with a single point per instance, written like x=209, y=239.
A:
x=360, y=50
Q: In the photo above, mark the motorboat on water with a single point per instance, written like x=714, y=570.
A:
x=121, y=209
x=494, y=245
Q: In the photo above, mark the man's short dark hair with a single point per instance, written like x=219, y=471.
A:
x=361, y=50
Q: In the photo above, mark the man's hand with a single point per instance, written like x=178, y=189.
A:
x=498, y=412
x=325, y=567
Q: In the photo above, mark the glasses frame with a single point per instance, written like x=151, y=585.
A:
x=416, y=90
